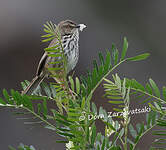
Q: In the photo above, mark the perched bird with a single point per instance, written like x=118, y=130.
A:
x=69, y=32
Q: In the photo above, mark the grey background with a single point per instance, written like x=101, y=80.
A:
x=21, y=23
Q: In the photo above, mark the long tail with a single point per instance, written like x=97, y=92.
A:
x=33, y=85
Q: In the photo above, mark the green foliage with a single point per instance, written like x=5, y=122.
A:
x=148, y=93
x=75, y=86
x=102, y=142
x=125, y=46
x=16, y=100
x=22, y=147
x=72, y=99
x=161, y=122
x=55, y=51
x=139, y=57
x=142, y=128
x=117, y=93
x=106, y=65
x=51, y=30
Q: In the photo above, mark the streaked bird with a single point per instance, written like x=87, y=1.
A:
x=69, y=32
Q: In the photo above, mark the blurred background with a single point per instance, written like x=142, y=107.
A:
x=21, y=27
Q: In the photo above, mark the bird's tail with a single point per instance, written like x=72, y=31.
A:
x=33, y=85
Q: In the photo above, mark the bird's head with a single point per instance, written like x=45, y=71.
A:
x=69, y=27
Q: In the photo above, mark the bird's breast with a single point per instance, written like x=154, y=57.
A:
x=71, y=51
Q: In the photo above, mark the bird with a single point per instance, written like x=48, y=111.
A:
x=69, y=33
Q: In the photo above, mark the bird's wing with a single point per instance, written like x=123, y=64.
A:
x=41, y=64
x=42, y=61
x=53, y=42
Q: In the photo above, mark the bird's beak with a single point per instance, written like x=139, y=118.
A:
x=81, y=27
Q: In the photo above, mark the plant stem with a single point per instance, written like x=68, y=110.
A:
x=126, y=132
x=150, y=95
x=32, y=112
x=105, y=76
x=121, y=141
x=38, y=116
